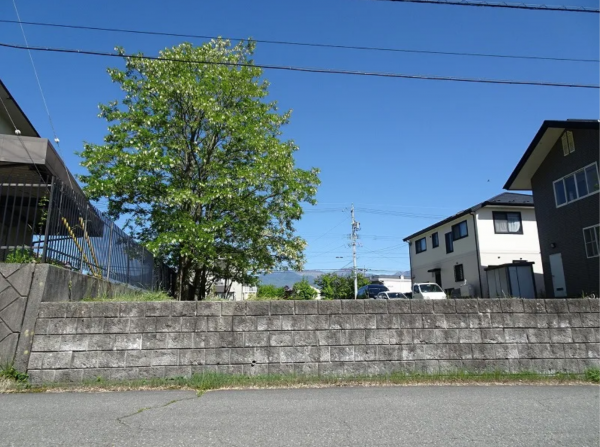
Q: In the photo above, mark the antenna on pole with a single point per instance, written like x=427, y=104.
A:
x=354, y=237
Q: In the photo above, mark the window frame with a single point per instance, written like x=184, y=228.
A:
x=460, y=268
x=417, y=251
x=574, y=175
x=449, y=247
x=435, y=240
x=457, y=225
x=568, y=142
x=506, y=213
x=585, y=242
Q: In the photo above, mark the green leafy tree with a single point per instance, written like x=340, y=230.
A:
x=302, y=290
x=334, y=286
x=194, y=160
x=270, y=291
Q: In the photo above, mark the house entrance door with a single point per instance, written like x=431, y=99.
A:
x=438, y=278
x=558, y=275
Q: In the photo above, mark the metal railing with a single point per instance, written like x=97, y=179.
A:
x=51, y=222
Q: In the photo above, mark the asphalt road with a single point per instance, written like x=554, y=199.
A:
x=390, y=416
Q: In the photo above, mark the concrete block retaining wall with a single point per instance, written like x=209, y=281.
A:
x=79, y=341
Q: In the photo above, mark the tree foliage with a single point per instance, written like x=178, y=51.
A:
x=194, y=159
x=302, y=290
x=270, y=291
x=339, y=287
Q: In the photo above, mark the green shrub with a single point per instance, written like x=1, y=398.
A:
x=303, y=291
x=593, y=375
x=269, y=291
x=21, y=256
x=8, y=371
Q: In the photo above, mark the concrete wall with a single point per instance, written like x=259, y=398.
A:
x=23, y=287
x=83, y=341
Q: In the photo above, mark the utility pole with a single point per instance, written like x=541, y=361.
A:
x=354, y=237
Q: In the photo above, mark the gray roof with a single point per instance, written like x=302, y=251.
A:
x=506, y=199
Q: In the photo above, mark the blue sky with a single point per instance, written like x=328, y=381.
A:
x=418, y=147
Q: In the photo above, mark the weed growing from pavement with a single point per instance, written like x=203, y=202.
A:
x=218, y=381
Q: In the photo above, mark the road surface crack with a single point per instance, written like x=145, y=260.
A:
x=141, y=410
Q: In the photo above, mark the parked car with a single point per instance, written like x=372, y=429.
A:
x=371, y=291
x=390, y=296
x=428, y=291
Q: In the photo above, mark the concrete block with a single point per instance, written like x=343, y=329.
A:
x=188, y=324
x=165, y=357
x=84, y=360
x=328, y=307
x=111, y=359
x=376, y=368
x=255, y=339
x=79, y=310
x=434, y=321
x=594, y=305
x=466, y=306
x=115, y=326
x=483, y=352
x=424, y=336
x=201, y=324
x=343, y=321
x=489, y=305
x=138, y=358
x=400, y=336
x=208, y=309
x=386, y=352
x=469, y=336
x=501, y=320
x=131, y=310
x=364, y=353
x=408, y=352
x=294, y=354
x=154, y=341
x=376, y=306
x=124, y=374
x=305, y=307
x=353, y=337
x=586, y=364
x=219, y=324
x=50, y=310
x=547, y=321
x=254, y=369
x=317, y=322
x=219, y=356
x=572, y=351
x=101, y=342
x=456, y=321
x=39, y=377
x=331, y=369
x=355, y=369
x=561, y=335
x=86, y=325
x=522, y=320
x=593, y=350
x=282, y=308
x=231, y=339
x=421, y=306
x=168, y=324
x=74, y=343
x=293, y=322
x=12, y=315
x=259, y=308
x=105, y=310
x=183, y=309
x=493, y=336
x=538, y=335
x=153, y=372
x=445, y=335
x=179, y=371
x=535, y=306
x=179, y=340
x=353, y=307
x=569, y=320
x=427, y=366
x=590, y=320
x=268, y=355
x=364, y=321
x=206, y=340
x=444, y=306
x=329, y=338
x=233, y=308
x=249, y=324
x=377, y=337
x=581, y=335
x=239, y=356
x=318, y=353
x=41, y=327
x=341, y=353
x=63, y=326
x=68, y=376
x=507, y=351
x=436, y=352
x=399, y=306
x=556, y=306
x=36, y=360
x=281, y=339
x=408, y=321
x=479, y=321
x=281, y=369
x=306, y=338
x=138, y=325
x=450, y=366
x=512, y=305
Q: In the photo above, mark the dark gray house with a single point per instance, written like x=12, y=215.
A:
x=560, y=167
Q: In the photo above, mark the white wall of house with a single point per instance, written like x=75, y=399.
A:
x=497, y=249
x=237, y=291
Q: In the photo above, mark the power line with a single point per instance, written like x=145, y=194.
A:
x=302, y=44
x=305, y=69
x=504, y=5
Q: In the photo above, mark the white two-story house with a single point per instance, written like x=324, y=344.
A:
x=488, y=250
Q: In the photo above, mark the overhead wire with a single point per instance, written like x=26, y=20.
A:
x=306, y=69
x=487, y=4
x=300, y=44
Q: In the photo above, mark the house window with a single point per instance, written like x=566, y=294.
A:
x=568, y=144
x=507, y=223
x=577, y=185
x=449, y=243
x=459, y=274
x=591, y=236
x=459, y=230
x=435, y=240
x=421, y=245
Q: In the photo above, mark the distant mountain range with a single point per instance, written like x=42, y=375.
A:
x=281, y=279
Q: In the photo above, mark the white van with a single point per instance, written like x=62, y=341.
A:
x=428, y=291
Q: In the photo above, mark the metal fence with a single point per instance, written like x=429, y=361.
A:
x=53, y=222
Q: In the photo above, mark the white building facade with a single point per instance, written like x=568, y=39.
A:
x=461, y=252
